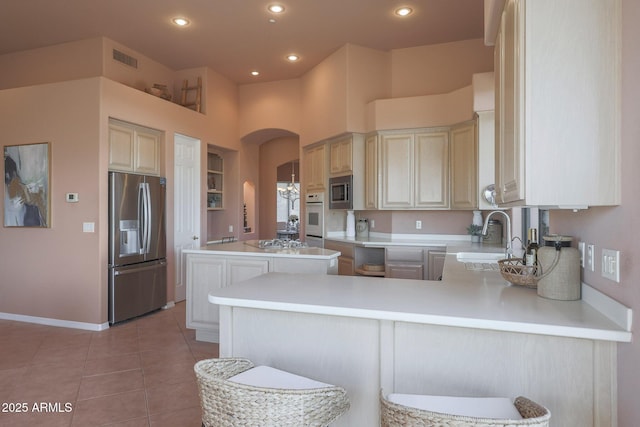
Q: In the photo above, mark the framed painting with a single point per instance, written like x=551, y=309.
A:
x=26, y=185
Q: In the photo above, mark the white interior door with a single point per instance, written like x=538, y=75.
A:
x=186, y=204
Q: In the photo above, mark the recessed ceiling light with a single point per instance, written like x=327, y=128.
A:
x=180, y=22
x=276, y=8
x=292, y=57
x=255, y=73
x=404, y=11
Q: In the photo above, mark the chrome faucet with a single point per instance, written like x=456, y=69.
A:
x=508, y=249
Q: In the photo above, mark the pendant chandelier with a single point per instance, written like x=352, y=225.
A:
x=291, y=191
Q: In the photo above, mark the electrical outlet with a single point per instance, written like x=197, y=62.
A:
x=611, y=265
x=372, y=223
x=231, y=229
x=591, y=257
x=581, y=250
x=418, y=225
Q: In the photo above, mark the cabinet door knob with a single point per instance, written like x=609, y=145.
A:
x=195, y=237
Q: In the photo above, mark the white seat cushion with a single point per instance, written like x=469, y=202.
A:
x=479, y=407
x=265, y=376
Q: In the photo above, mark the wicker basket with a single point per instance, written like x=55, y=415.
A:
x=515, y=272
x=229, y=404
x=395, y=415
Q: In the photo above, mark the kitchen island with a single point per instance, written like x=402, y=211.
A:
x=217, y=266
x=471, y=334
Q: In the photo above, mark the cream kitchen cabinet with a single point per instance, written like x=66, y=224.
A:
x=404, y=263
x=134, y=148
x=413, y=169
x=557, y=70
x=207, y=270
x=464, y=166
x=315, y=165
x=346, y=157
x=371, y=169
x=346, y=263
x=206, y=273
x=341, y=156
x=435, y=263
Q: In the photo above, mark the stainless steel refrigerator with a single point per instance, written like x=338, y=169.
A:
x=137, y=245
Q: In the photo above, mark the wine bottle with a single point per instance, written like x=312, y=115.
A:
x=531, y=253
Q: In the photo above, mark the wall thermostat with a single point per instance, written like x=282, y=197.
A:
x=72, y=197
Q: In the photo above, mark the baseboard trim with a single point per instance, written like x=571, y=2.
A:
x=55, y=322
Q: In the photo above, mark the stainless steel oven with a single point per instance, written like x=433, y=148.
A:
x=314, y=219
x=340, y=192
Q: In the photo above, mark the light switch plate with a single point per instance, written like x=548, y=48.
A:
x=88, y=227
x=611, y=265
x=591, y=257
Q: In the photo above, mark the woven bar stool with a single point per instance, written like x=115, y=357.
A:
x=235, y=393
x=410, y=410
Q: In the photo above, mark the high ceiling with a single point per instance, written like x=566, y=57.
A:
x=234, y=37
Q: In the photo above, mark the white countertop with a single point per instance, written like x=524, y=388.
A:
x=426, y=240
x=472, y=299
x=249, y=248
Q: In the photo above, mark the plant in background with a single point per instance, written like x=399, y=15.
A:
x=474, y=230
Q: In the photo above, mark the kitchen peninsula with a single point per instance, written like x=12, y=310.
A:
x=217, y=266
x=471, y=334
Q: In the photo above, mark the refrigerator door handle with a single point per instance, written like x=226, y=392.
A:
x=139, y=269
x=144, y=217
x=147, y=219
x=141, y=217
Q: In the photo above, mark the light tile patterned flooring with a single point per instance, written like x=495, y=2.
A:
x=139, y=373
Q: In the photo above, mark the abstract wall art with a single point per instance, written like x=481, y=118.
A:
x=26, y=185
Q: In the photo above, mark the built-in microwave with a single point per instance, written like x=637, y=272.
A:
x=340, y=192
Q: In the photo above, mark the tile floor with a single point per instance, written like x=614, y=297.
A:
x=139, y=373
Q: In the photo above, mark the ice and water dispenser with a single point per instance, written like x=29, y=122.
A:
x=129, y=241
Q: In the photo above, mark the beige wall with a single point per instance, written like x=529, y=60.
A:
x=441, y=68
x=274, y=105
x=55, y=272
x=68, y=61
x=369, y=78
x=324, y=106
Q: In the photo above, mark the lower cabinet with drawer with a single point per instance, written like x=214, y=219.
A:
x=404, y=263
x=346, y=263
x=434, y=262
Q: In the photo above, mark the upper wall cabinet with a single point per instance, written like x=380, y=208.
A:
x=412, y=169
x=134, y=148
x=314, y=167
x=346, y=157
x=464, y=166
x=341, y=156
x=557, y=69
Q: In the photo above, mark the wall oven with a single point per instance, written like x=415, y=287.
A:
x=340, y=192
x=314, y=219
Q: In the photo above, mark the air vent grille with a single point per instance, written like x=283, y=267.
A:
x=125, y=59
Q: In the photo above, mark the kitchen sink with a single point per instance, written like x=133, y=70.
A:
x=480, y=261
